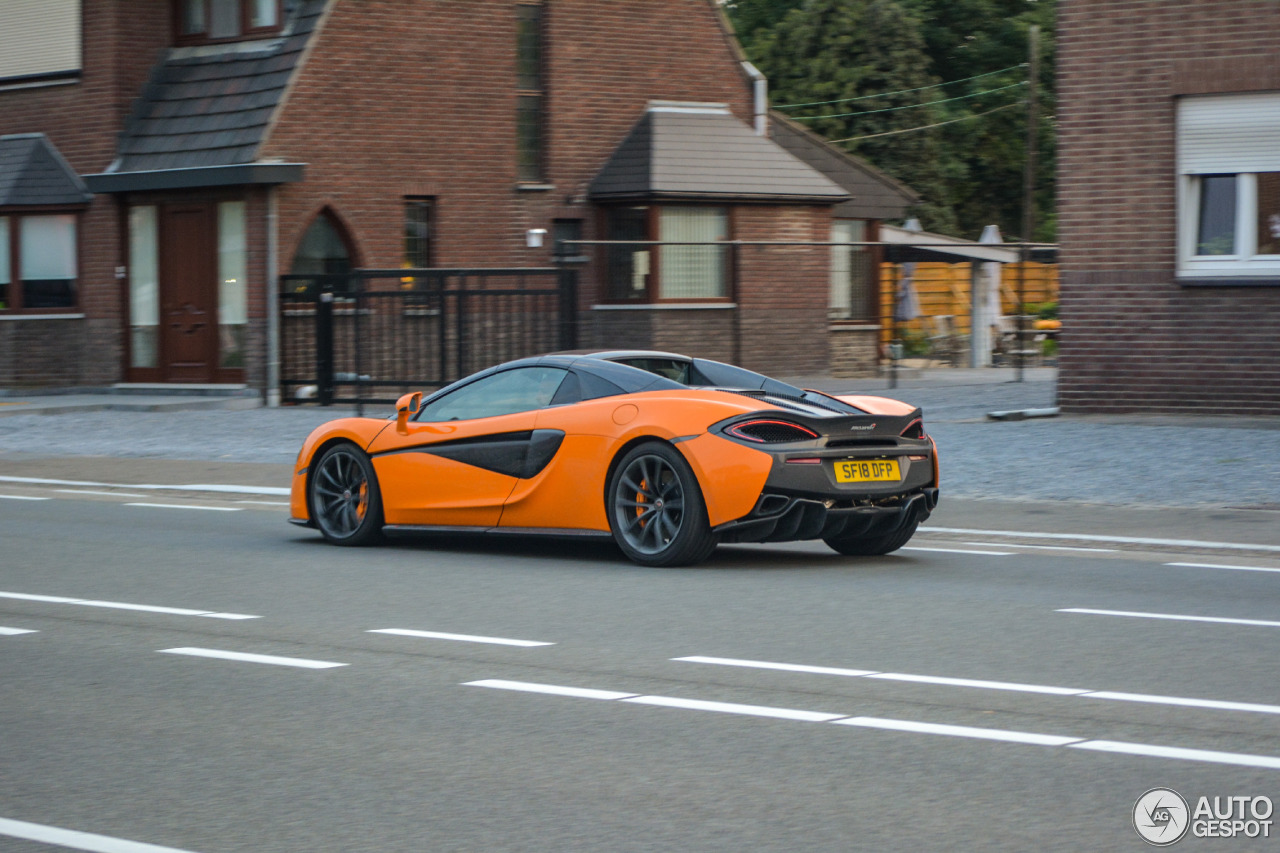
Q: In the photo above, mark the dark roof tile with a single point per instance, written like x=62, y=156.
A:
x=32, y=172
x=702, y=151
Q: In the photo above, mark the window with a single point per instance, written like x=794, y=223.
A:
x=233, y=270
x=144, y=287
x=693, y=268
x=1229, y=186
x=563, y=233
x=39, y=42
x=322, y=249
x=38, y=262
x=417, y=232
x=852, y=273
x=529, y=94
x=225, y=20
x=522, y=389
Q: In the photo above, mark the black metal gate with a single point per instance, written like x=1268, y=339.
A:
x=370, y=335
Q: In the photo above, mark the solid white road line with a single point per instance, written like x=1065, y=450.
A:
x=957, y=551
x=188, y=506
x=13, y=632
x=1222, y=620
x=192, y=487
x=1212, y=704
x=911, y=726
x=787, y=667
x=464, y=638
x=971, y=682
x=1085, y=537
x=1221, y=566
x=551, y=689
x=99, y=492
x=120, y=605
x=77, y=840
x=249, y=658
x=22, y=498
x=1053, y=547
x=958, y=731
x=734, y=708
x=265, y=503
x=1208, y=755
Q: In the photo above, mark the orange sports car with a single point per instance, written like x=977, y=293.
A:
x=666, y=454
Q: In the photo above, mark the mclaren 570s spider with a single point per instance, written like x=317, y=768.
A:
x=666, y=454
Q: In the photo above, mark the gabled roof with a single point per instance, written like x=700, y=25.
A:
x=32, y=172
x=875, y=194
x=211, y=106
x=700, y=151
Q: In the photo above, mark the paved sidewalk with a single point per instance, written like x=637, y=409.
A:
x=1126, y=460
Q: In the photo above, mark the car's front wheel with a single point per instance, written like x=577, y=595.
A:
x=656, y=510
x=345, y=501
x=870, y=546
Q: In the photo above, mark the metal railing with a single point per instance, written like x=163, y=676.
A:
x=368, y=336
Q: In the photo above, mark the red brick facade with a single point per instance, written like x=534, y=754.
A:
x=1135, y=338
x=400, y=98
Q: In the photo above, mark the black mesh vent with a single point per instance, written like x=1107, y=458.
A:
x=770, y=432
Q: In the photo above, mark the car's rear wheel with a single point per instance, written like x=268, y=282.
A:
x=870, y=546
x=346, y=503
x=656, y=511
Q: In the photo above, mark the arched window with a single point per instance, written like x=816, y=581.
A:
x=324, y=248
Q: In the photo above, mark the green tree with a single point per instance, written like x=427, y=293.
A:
x=826, y=52
x=971, y=163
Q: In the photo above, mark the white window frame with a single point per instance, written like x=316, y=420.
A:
x=1225, y=135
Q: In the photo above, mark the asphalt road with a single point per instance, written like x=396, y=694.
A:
x=939, y=698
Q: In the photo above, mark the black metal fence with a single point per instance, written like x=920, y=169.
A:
x=368, y=336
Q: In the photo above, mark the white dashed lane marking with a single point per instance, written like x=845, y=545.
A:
x=463, y=638
x=188, y=506
x=943, y=681
x=1227, y=567
x=905, y=726
x=121, y=605
x=244, y=657
x=22, y=498
x=76, y=840
x=1175, y=617
x=13, y=632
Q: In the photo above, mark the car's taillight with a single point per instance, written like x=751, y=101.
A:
x=915, y=429
x=770, y=432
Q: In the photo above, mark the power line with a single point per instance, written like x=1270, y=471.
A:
x=913, y=106
x=926, y=126
x=899, y=91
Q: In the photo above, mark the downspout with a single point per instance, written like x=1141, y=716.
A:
x=273, y=298
x=760, y=86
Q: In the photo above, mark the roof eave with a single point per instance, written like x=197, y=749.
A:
x=204, y=176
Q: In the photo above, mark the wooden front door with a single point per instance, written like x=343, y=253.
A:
x=188, y=293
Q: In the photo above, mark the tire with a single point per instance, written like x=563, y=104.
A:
x=343, y=493
x=871, y=546
x=656, y=511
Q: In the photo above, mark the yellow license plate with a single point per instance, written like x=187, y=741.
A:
x=868, y=471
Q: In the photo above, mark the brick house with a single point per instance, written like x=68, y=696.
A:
x=1169, y=205
x=163, y=161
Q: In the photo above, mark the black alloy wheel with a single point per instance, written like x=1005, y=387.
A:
x=656, y=510
x=345, y=502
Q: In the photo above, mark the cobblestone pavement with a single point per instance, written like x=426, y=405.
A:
x=1125, y=460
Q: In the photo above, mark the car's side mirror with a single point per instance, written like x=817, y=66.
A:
x=406, y=406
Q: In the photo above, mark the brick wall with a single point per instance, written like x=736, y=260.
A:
x=121, y=40
x=1133, y=338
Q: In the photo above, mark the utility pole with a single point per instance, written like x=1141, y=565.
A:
x=1028, y=183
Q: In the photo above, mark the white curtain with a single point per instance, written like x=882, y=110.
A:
x=692, y=272
x=47, y=248
x=233, y=303
x=144, y=286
